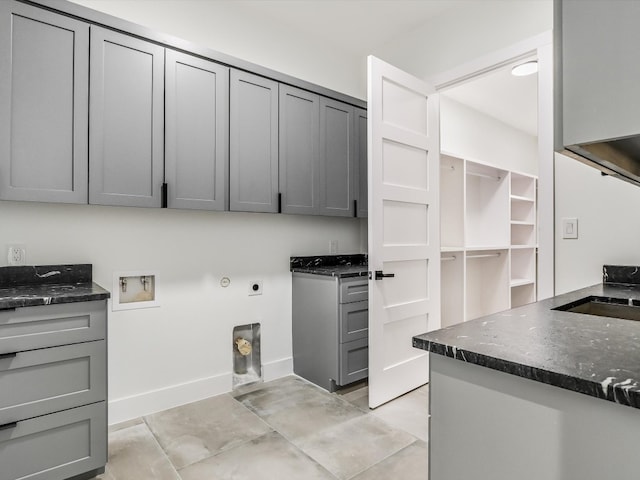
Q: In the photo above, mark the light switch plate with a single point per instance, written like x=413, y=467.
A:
x=569, y=228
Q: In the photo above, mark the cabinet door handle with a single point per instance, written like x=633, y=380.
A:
x=7, y=426
x=380, y=275
x=7, y=355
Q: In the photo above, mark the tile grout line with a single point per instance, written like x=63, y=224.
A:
x=178, y=476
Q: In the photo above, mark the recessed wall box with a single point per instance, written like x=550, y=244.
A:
x=133, y=290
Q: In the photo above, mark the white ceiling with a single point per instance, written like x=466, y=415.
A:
x=512, y=100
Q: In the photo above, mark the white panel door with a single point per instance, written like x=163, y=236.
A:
x=404, y=228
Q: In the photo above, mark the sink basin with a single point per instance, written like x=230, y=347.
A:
x=627, y=309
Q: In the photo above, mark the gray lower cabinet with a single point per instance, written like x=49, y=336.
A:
x=253, y=129
x=330, y=329
x=53, y=379
x=360, y=132
x=126, y=134
x=197, y=132
x=44, y=87
x=337, y=165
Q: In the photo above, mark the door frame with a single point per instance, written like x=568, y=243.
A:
x=540, y=47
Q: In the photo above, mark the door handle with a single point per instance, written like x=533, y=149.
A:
x=380, y=275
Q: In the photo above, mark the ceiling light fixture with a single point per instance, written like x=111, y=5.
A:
x=526, y=68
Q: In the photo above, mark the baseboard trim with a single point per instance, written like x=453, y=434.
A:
x=134, y=406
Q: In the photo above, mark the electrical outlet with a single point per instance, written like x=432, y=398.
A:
x=333, y=247
x=16, y=255
x=255, y=287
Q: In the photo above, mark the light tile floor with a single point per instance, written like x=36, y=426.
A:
x=279, y=430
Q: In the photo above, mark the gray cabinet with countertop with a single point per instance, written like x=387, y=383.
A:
x=44, y=87
x=197, y=132
x=126, y=135
x=330, y=326
x=53, y=374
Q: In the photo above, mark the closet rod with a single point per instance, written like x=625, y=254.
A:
x=446, y=259
x=484, y=175
x=484, y=255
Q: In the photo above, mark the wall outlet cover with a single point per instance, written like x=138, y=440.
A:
x=16, y=254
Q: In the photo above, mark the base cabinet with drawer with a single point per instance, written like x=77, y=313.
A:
x=53, y=391
x=330, y=329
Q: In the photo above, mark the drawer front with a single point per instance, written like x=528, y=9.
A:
x=354, y=321
x=43, y=381
x=354, y=290
x=28, y=328
x=354, y=361
x=56, y=446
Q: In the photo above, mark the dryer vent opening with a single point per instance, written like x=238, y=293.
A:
x=247, y=367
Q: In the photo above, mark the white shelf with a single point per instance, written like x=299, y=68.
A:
x=488, y=235
x=518, y=222
x=518, y=282
x=517, y=198
x=474, y=248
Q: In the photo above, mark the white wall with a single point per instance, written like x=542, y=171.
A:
x=470, y=134
x=608, y=226
x=180, y=351
x=234, y=28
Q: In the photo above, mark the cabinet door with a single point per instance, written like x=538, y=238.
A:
x=197, y=132
x=354, y=361
x=126, y=136
x=58, y=446
x=253, y=143
x=337, y=159
x=360, y=132
x=44, y=88
x=299, y=144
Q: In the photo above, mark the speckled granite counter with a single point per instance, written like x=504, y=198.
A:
x=594, y=355
x=342, y=266
x=28, y=286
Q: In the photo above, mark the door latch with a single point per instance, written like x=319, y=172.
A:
x=380, y=275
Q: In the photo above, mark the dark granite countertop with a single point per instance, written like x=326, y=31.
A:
x=342, y=266
x=28, y=286
x=594, y=355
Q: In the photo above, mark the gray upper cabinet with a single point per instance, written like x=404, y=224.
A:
x=253, y=143
x=197, y=132
x=44, y=74
x=126, y=136
x=360, y=132
x=337, y=165
x=299, y=150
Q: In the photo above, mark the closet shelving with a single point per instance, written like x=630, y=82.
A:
x=488, y=238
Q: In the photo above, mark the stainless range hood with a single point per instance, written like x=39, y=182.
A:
x=597, y=84
x=619, y=158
